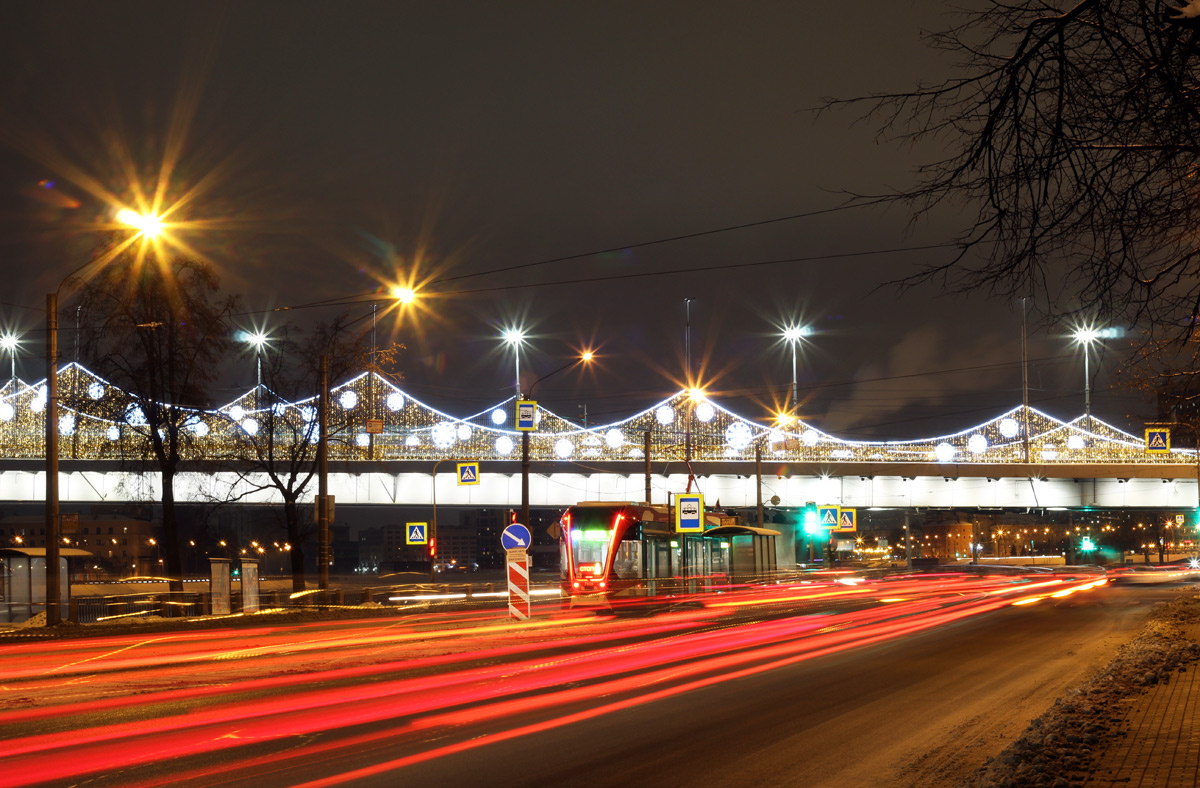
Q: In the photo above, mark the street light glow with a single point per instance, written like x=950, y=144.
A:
x=1086, y=336
x=257, y=339
x=795, y=333
x=10, y=342
x=404, y=295
x=513, y=336
x=147, y=224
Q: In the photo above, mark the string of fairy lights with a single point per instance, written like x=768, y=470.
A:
x=372, y=419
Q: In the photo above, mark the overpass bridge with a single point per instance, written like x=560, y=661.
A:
x=1022, y=458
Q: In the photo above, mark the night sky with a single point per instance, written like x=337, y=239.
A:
x=323, y=149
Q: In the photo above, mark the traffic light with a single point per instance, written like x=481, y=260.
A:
x=812, y=520
x=1087, y=545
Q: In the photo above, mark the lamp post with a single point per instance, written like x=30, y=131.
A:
x=792, y=335
x=257, y=340
x=1085, y=337
x=148, y=226
x=10, y=342
x=584, y=358
x=514, y=338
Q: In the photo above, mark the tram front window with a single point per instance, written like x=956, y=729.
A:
x=589, y=550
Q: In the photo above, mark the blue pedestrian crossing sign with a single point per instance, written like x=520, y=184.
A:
x=468, y=473
x=1158, y=441
x=526, y=415
x=689, y=513
x=827, y=517
x=847, y=521
x=416, y=533
x=515, y=536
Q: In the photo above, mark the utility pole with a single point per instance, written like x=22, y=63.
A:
x=323, y=477
x=53, y=521
x=1024, y=383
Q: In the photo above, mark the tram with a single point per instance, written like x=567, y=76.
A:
x=621, y=549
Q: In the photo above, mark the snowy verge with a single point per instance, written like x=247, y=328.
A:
x=1059, y=748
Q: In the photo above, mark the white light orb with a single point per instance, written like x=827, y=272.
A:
x=499, y=416
x=348, y=399
x=279, y=409
x=412, y=440
x=96, y=390
x=738, y=435
x=237, y=413
x=363, y=440
x=464, y=432
x=250, y=426
x=614, y=439
x=7, y=411
x=443, y=435
x=810, y=438
x=113, y=433
x=1075, y=442
x=199, y=428
x=395, y=401
x=664, y=415
x=66, y=424
x=308, y=413
x=134, y=416
x=1049, y=454
x=944, y=452
x=705, y=411
x=563, y=448
x=38, y=403
x=1009, y=428
x=776, y=436
x=977, y=444
x=504, y=445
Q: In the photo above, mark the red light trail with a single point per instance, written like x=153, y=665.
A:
x=116, y=706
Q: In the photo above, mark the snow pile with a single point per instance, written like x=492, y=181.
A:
x=1058, y=748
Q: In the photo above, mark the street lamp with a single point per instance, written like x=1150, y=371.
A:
x=148, y=226
x=257, y=340
x=514, y=338
x=1085, y=337
x=792, y=335
x=11, y=342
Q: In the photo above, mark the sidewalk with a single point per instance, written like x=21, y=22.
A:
x=1158, y=745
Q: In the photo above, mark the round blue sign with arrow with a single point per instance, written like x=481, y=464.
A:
x=515, y=535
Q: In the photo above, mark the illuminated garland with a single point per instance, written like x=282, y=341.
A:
x=99, y=421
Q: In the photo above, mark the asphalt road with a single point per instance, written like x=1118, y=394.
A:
x=925, y=710
x=808, y=695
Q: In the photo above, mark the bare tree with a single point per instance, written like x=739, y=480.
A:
x=158, y=331
x=280, y=451
x=1072, y=138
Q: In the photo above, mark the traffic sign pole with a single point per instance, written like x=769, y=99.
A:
x=518, y=584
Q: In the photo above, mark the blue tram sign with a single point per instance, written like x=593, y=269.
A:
x=689, y=513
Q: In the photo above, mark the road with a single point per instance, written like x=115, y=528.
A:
x=910, y=683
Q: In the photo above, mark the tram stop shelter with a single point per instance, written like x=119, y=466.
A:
x=751, y=550
x=23, y=581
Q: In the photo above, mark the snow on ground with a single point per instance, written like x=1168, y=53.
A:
x=1057, y=749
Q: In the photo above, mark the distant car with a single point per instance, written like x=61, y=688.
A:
x=1148, y=574
x=454, y=566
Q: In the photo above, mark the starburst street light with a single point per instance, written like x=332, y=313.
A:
x=11, y=342
x=146, y=224
x=792, y=334
x=514, y=338
x=1085, y=336
x=257, y=340
x=149, y=226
